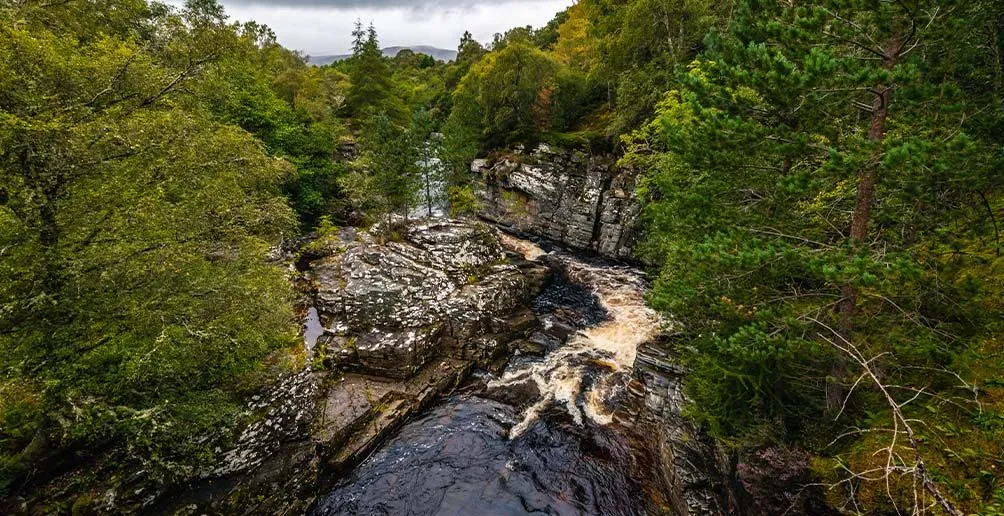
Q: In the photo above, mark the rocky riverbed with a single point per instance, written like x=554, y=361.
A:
x=583, y=418
x=515, y=441
x=458, y=369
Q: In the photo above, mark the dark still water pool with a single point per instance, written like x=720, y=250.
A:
x=458, y=460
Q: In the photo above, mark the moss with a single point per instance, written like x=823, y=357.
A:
x=593, y=141
x=320, y=358
x=84, y=505
x=963, y=450
x=515, y=203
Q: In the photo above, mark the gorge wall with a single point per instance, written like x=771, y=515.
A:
x=585, y=201
x=695, y=476
x=588, y=202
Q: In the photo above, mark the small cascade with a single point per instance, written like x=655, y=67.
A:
x=589, y=373
x=538, y=438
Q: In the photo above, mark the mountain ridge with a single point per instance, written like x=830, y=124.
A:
x=440, y=54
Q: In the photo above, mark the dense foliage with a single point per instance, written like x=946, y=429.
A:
x=822, y=196
x=292, y=108
x=134, y=292
x=824, y=189
x=503, y=93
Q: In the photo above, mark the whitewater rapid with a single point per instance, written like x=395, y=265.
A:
x=593, y=368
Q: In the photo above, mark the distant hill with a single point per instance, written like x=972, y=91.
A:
x=441, y=54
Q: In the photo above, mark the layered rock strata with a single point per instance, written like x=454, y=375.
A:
x=587, y=202
x=403, y=323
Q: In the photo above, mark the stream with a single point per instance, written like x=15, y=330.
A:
x=538, y=438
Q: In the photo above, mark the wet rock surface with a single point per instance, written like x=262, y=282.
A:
x=691, y=475
x=445, y=289
x=584, y=201
x=394, y=326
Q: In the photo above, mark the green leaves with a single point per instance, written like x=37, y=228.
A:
x=506, y=94
x=134, y=291
x=369, y=73
x=753, y=170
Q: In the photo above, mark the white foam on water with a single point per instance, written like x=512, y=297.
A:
x=529, y=250
x=610, y=347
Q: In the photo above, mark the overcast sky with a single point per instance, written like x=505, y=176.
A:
x=321, y=27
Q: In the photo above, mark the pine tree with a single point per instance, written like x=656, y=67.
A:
x=805, y=173
x=358, y=39
x=390, y=161
x=371, y=87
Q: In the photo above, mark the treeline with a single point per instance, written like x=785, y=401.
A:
x=593, y=73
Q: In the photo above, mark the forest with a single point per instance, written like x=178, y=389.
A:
x=822, y=201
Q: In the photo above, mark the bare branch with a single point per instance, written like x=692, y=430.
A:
x=901, y=426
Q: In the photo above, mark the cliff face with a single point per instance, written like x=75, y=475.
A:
x=587, y=202
x=693, y=473
x=584, y=201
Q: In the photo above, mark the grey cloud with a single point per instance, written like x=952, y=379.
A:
x=419, y=5
x=324, y=27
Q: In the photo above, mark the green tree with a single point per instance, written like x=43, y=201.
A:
x=272, y=93
x=469, y=51
x=387, y=175
x=503, y=93
x=371, y=87
x=134, y=291
x=803, y=182
x=428, y=150
x=640, y=44
x=461, y=143
x=418, y=82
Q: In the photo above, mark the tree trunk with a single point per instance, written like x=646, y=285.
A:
x=860, y=220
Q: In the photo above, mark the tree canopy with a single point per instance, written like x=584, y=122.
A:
x=134, y=226
x=821, y=195
x=822, y=191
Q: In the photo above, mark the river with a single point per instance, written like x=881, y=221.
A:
x=538, y=438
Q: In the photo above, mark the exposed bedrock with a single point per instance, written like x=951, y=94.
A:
x=587, y=202
x=403, y=322
x=689, y=472
x=447, y=289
